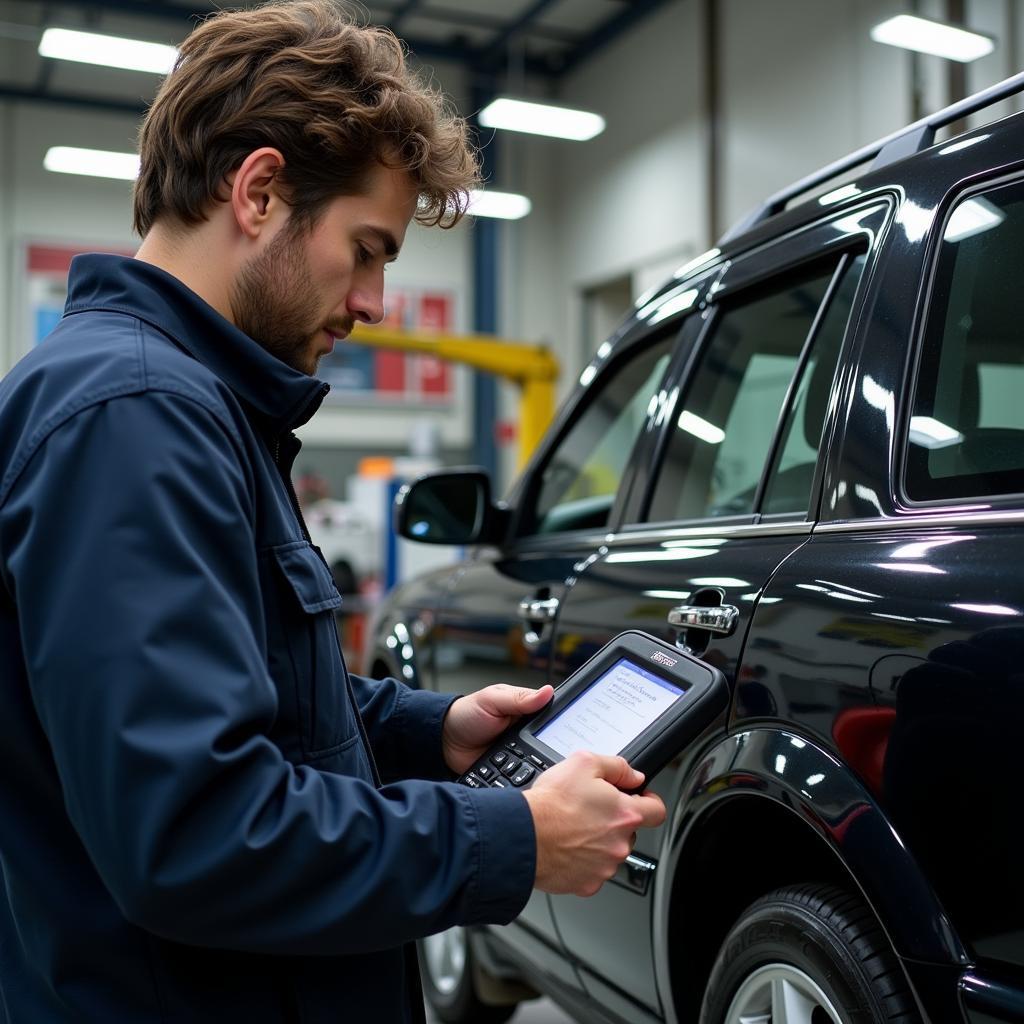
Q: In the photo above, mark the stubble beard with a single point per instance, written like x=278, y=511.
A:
x=270, y=303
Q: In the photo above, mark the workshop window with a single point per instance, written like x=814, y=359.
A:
x=965, y=436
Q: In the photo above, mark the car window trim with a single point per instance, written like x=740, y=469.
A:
x=902, y=501
x=643, y=533
x=984, y=516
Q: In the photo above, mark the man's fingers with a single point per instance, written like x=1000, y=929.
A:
x=502, y=699
x=617, y=771
x=651, y=808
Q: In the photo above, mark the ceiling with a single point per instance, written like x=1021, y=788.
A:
x=494, y=40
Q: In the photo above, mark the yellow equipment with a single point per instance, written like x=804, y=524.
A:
x=532, y=368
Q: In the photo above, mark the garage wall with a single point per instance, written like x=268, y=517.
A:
x=631, y=203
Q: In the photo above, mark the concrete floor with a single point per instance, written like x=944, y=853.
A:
x=537, y=1011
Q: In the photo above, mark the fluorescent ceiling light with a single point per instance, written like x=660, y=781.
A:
x=971, y=218
x=97, y=163
x=541, y=119
x=926, y=36
x=504, y=205
x=701, y=428
x=111, y=51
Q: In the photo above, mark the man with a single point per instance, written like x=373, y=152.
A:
x=202, y=816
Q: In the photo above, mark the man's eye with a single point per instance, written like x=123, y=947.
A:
x=365, y=256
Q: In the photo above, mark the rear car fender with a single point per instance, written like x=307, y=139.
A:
x=760, y=808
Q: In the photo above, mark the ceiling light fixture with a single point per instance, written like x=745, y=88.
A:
x=96, y=163
x=110, y=51
x=934, y=37
x=503, y=205
x=541, y=119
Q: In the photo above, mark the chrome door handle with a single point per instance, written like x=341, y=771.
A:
x=719, y=619
x=534, y=609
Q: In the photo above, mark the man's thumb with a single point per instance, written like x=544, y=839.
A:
x=534, y=700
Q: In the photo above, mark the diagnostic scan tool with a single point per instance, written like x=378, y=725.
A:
x=638, y=697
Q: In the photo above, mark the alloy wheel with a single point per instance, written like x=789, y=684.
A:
x=781, y=994
x=444, y=957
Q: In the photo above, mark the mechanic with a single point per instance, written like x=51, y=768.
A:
x=203, y=817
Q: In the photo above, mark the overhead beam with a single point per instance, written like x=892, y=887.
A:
x=615, y=26
x=496, y=45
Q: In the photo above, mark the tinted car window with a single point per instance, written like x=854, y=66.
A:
x=716, y=455
x=579, y=482
x=966, y=432
x=789, y=484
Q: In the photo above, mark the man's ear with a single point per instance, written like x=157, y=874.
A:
x=255, y=191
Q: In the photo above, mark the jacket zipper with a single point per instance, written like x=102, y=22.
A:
x=296, y=508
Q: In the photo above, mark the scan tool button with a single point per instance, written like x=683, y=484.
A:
x=472, y=781
x=499, y=758
x=539, y=762
x=516, y=749
x=484, y=771
x=510, y=767
x=499, y=783
x=523, y=776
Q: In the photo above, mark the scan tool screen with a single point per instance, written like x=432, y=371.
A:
x=612, y=712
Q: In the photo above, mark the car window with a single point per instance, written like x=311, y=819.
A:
x=788, y=488
x=579, y=482
x=966, y=430
x=715, y=457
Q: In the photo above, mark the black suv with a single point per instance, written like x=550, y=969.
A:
x=803, y=459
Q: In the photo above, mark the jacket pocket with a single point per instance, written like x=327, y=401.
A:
x=325, y=717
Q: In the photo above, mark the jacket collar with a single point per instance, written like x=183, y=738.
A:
x=282, y=396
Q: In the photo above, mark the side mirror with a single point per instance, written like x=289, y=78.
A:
x=449, y=507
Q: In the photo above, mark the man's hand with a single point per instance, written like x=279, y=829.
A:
x=585, y=824
x=474, y=721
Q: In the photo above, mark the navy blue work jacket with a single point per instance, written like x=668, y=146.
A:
x=192, y=826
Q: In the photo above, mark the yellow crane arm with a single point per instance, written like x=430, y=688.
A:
x=532, y=368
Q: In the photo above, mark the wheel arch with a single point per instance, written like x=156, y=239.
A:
x=812, y=820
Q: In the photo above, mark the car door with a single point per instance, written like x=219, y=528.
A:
x=496, y=623
x=733, y=496
x=910, y=591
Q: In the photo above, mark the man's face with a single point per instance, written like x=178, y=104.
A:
x=307, y=288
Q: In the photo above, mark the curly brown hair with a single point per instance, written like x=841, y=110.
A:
x=335, y=97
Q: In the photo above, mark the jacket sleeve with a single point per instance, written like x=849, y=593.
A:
x=133, y=558
x=404, y=727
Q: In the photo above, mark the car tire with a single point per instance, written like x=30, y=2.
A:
x=446, y=970
x=807, y=954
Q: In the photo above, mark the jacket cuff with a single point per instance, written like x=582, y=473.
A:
x=507, y=854
x=421, y=715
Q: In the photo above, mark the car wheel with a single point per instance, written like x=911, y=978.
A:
x=446, y=969
x=809, y=954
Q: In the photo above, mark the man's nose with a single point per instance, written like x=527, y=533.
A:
x=367, y=305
